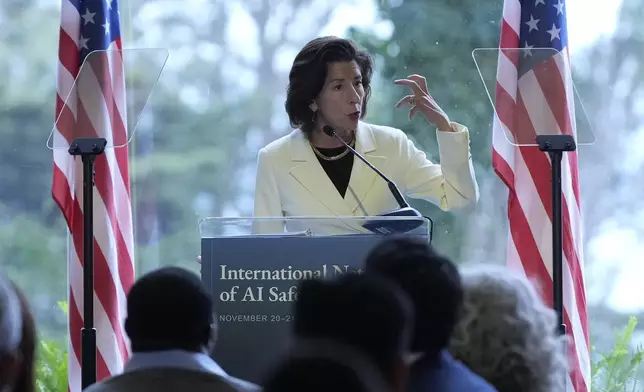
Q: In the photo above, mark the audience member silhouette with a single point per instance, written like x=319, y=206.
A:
x=433, y=284
x=10, y=336
x=26, y=376
x=171, y=326
x=322, y=366
x=367, y=314
x=507, y=334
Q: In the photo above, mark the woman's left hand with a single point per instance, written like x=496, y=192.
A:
x=421, y=101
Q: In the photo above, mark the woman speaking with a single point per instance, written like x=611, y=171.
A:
x=310, y=173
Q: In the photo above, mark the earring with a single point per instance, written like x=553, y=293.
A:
x=313, y=118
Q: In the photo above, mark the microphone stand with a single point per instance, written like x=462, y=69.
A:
x=392, y=187
x=555, y=145
x=404, y=210
x=88, y=149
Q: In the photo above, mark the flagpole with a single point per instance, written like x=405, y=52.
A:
x=88, y=149
x=555, y=146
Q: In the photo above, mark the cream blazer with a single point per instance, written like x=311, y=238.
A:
x=291, y=182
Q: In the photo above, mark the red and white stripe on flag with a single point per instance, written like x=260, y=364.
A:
x=533, y=100
x=95, y=108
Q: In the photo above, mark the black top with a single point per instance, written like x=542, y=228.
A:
x=339, y=171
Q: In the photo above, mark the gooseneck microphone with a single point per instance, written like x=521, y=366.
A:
x=392, y=186
x=384, y=226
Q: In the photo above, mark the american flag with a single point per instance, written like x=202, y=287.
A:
x=534, y=96
x=90, y=102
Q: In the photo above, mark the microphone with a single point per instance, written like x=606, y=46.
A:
x=384, y=226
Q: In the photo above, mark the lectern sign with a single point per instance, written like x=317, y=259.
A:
x=259, y=285
x=253, y=280
x=254, y=298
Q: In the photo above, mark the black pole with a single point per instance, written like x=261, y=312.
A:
x=557, y=239
x=88, y=345
x=555, y=145
x=88, y=149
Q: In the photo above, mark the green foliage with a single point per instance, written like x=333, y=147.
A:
x=617, y=371
x=51, y=363
x=51, y=368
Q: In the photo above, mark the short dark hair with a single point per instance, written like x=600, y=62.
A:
x=309, y=71
x=167, y=309
x=367, y=313
x=430, y=280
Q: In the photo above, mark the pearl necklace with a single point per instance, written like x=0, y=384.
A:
x=335, y=157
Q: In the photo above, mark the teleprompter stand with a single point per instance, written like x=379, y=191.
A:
x=555, y=146
x=88, y=149
x=105, y=125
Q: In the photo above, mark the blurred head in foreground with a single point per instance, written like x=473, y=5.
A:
x=322, y=366
x=431, y=281
x=26, y=377
x=506, y=333
x=367, y=314
x=11, y=325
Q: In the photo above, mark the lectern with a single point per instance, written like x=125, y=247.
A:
x=252, y=268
